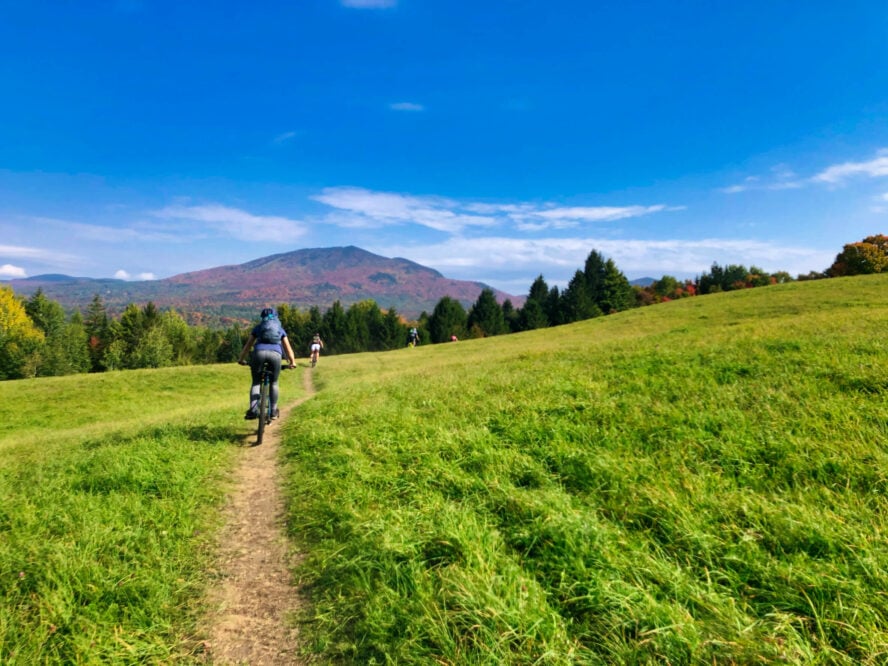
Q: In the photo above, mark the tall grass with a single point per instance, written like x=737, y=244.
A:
x=698, y=482
x=110, y=489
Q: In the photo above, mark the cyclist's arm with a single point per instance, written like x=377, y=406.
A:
x=246, y=350
x=288, y=351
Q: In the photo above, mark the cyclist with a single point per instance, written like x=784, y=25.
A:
x=413, y=337
x=269, y=342
x=316, y=346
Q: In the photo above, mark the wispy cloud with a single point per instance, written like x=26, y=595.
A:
x=284, y=137
x=360, y=207
x=558, y=258
x=21, y=252
x=233, y=222
x=364, y=208
x=369, y=4
x=839, y=173
x=406, y=106
x=780, y=178
x=42, y=255
x=8, y=271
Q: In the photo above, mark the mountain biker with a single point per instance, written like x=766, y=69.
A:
x=269, y=342
x=413, y=337
x=316, y=345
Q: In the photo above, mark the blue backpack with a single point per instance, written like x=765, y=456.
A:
x=269, y=332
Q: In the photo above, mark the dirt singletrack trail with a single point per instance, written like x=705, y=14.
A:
x=251, y=603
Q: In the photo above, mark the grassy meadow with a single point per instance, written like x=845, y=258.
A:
x=110, y=490
x=699, y=482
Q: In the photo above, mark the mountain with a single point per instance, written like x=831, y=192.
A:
x=300, y=278
x=642, y=282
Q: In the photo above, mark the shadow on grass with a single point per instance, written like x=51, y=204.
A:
x=197, y=434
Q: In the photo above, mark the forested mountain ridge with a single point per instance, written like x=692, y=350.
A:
x=301, y=278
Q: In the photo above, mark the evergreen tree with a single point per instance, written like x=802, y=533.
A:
x=616, y=294
x=486, y=315
x=129, y=330
x=533, y=314
x=395, y=330
x=97, y=330
x=576, y=304
x=553, y=307
x=334, y=328
x=595, y=272
x=447, y=319
x=512, y=317
x=75, y=345
x=49, y=317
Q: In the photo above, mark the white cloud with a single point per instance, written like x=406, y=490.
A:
x=20, y=252
x=365, y=208
x=121, y=274
x=10, y=271
x=783, y=178
x=839, y=173
x=41, y=255
x=406, y=106
x=359, y=207
x=558, y=258
x=235, y=223
x=369, y=4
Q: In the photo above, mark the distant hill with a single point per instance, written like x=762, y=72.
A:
x=300, y=278
x=642, y=282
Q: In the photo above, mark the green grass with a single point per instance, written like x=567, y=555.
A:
x=703, y=481
x=698, y=482
x=110, y=490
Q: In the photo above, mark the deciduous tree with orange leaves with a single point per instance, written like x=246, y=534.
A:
x=868, y=256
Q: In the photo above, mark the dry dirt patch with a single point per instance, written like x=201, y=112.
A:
x=255, y=596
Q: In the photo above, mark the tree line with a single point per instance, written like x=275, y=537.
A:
x=38, y=339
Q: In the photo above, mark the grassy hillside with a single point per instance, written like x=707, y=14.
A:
x=110, y=487
x=698, y=482
x=703, y=481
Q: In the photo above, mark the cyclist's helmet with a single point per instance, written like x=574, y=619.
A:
x=268, y=313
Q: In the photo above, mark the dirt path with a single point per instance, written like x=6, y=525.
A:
x=248, y=622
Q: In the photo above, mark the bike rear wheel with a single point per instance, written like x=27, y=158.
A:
x=263, y=410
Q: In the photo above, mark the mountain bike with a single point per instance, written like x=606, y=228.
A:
x=264, y=406
x=266, y=375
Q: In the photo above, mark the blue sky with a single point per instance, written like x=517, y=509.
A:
x=493, y=141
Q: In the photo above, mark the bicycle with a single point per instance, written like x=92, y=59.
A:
x=266, y=374
x=265, y=415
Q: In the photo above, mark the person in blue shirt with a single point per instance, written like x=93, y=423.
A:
x=268, y=341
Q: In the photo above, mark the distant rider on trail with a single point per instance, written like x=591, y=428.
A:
x=269, y=342
x=316, y=346
x=413, y=337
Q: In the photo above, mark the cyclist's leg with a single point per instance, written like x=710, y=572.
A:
x=256, y=377
x=275, y=359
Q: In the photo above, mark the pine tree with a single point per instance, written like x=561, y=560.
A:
x=486, y=315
